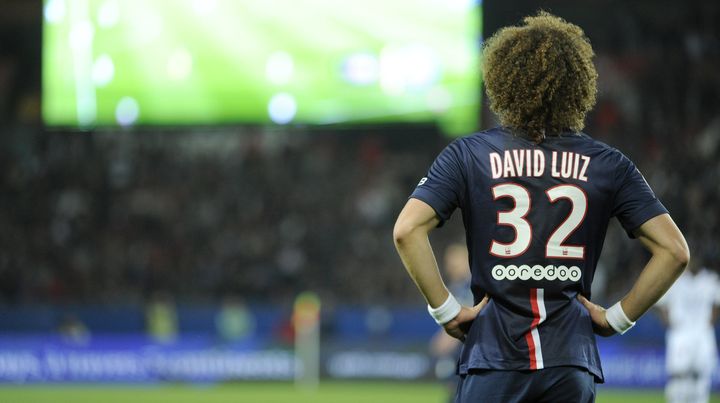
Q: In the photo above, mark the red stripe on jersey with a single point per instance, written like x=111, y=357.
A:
x=533, y=325
x=531, y=347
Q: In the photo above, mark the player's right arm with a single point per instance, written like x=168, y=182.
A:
x=670, y=255
x=410, y=235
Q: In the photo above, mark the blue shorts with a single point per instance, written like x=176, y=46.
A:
x=550, y=385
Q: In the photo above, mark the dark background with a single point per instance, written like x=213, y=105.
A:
x=111, y=217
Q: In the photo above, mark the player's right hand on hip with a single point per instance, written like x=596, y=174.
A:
x=601, y=326
x=460, y=325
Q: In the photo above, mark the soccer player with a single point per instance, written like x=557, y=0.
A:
x=536, y=196
x=689, y=309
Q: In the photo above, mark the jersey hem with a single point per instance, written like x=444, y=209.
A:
x=524, y=365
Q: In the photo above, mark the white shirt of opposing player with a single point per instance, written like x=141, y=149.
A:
x=691, y=344
x=689, y=302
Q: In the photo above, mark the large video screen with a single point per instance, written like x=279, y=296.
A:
x=206, y=62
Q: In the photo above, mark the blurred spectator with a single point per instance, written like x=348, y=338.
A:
x=161, y=318
x=234, y=321
x=73, y=330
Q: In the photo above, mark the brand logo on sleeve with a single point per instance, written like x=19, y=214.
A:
x=422, y=181
x=537, y=272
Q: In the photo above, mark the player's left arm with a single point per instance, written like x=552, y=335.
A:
x=410, y=234
x=670, y=255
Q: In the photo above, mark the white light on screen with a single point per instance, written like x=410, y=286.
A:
x=282, y=108
x=462, y=4
x=179, y=65
x=127, y=111
x=103, y=70
x=146, y=26
x=108, y=14
x=279, y=68
x=81, y=35
x=439, y=99
x=204, y=7
x=54, y=11
x=361, y=69
x=408, y=67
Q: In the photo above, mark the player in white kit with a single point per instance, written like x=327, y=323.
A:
x=689, y=309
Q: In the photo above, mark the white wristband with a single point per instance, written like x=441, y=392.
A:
x=617, y=319
x=445, y=312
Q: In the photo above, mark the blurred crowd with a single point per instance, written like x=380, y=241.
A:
x=118, y=216
x=659, y=102
x=267, y=212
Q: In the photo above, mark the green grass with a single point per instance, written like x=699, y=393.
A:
x=333, y=392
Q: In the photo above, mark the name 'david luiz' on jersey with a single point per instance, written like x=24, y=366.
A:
x=526, y=162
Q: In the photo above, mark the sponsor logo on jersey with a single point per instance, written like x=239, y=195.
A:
x=422, y=181
x=536, y=272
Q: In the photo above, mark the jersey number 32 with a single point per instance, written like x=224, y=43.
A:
x=515, y=218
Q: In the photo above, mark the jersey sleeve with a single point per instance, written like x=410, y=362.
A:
x=634, y=202
x=444, y=186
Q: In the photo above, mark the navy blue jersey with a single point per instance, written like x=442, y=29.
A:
x=535, y=217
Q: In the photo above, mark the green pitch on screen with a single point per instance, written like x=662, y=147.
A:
x=199, y=62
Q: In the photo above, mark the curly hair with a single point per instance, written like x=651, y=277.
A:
x=539, y=76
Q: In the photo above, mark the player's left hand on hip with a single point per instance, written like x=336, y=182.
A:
x=460, y=325
x=601, y=326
